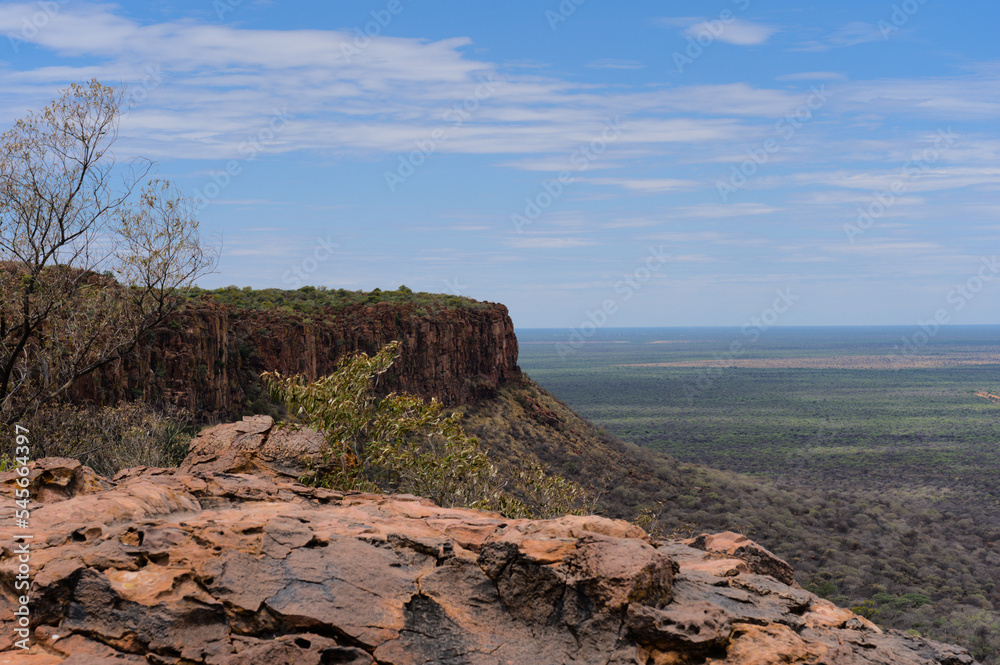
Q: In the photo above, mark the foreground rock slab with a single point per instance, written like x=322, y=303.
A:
x=198, y=565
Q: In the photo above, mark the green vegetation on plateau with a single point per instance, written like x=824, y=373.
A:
x=311, y=298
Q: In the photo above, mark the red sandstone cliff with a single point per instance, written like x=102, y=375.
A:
x=208, y=358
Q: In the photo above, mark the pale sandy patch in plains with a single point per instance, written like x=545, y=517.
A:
x=837, y=362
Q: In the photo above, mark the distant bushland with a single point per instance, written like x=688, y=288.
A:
x=878, y=485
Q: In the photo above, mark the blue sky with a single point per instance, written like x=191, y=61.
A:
x=630, y=164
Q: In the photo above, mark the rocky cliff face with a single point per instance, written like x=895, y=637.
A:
x=208, y=358
x=228, y=560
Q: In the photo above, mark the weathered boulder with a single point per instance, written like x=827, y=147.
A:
x=256, y=446
x=54, y=479
x=207, y=564
x=752, y=557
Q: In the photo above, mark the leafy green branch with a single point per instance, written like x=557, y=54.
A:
x=400, y=443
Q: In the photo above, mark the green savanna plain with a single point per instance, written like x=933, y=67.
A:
x=835, y=406
x=870, y=456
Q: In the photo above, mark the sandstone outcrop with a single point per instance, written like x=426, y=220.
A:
x=209, y=564
x=209, y=358
x=254, y=445
x=748, y=555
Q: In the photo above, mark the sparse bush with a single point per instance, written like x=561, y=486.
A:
x=111, y=438
x=401, y=443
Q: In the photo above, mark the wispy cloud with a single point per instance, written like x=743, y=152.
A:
x=881, y=248
x=714, y=211
x=220, y=84
x=977, y=95
x=926, y=180
x=634, y=223
x=737, y=31
x=677, y=21
x=615, y=64
x=812, y=76
x=851, y=34
x=539, y=242
x=648, y=185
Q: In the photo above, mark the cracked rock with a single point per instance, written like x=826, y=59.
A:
x=211, y=565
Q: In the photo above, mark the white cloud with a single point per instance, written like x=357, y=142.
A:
x=924, y=180
x=879, y=248
x=218, y=84
x=678, y=21
x=549, y=164
x=851, y=34
x=634, y=223
x=691, y=258
x=615, y=64
x=535, y=242
x=648, y=185
x=976, y=96
x=851, y=197
x=728, y=99
x=717, y=211
x=737, y=31
x=678, y=237
x=812, y=76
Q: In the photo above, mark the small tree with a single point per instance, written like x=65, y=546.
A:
x=90, y=258
x=401, y=443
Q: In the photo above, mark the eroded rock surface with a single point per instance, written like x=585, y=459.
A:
x=254, y=445
x=207, y=564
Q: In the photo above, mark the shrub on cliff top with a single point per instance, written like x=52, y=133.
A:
x=400, y=443
x=308, y=298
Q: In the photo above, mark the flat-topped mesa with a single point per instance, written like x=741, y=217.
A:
x=209, y=358
x=210, y=565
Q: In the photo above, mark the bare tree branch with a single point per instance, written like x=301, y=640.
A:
x=65, y=226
